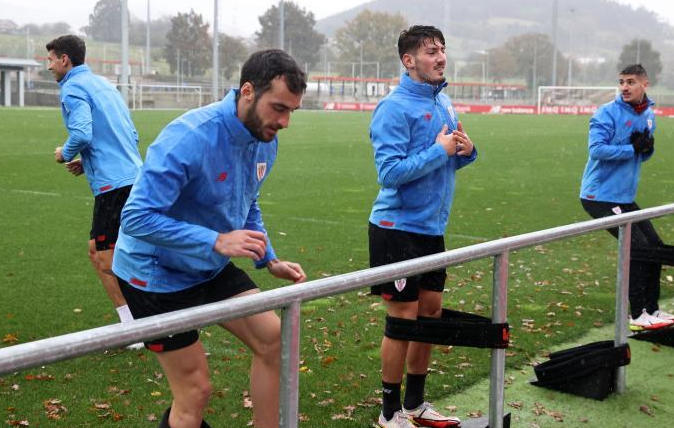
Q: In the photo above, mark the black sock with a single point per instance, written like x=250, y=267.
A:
x=164, y=419
x=391, y=399
x=414, y=390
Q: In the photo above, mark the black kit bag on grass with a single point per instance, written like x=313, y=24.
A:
x=588, y=370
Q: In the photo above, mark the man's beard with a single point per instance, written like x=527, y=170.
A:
x=253, y=122
x=430, y=80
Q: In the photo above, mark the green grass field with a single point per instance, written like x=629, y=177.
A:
x=316, y=205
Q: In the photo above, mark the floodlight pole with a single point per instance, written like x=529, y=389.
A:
x=554, y=42
x=148, y=57
x=125, y=53
x=570, y=71
x=281, y=25
x=216, y=60
x=446, y=9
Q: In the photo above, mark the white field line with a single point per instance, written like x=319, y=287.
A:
x=38, y=193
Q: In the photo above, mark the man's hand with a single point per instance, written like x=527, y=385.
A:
x=58, y=154
x=465, y=148
x=641, y=141
x=286, y=270
x=455, y=143
x=241, y=243
x=75, y=167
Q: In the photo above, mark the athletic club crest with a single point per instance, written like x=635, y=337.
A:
x=261, y=170
x=400, y=283
x=650, y=123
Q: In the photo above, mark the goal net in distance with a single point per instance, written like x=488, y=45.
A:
x=573, y=99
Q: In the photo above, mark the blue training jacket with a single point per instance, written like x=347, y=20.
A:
x=612, y=169
x=99, y=129
x=415, y=174
x=201, y=177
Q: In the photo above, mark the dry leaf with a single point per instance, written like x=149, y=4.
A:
x=645, y=409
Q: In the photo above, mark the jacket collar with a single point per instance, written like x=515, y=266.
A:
x=239, y=132
x=418, y=88
x=73, y=72
x=623, y=104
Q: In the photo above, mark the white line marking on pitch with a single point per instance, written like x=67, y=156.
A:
x=38, y=193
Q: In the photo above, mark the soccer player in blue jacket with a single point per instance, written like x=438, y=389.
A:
x=192, y=209
x=101, y=132
x=418, y=146
x=620, y=139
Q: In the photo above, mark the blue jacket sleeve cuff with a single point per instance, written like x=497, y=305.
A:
x=269, y=256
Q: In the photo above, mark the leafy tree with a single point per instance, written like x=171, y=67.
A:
x=641, y=51
x=189, y=38
x=46, y=29
x=105, y=22
x=527, y=55
x=232, y=51
x=376, y=33
x=300, y=39
x=158, y=29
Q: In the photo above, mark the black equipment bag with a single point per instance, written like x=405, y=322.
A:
x=588, y=370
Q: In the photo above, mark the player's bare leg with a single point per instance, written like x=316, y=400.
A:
x=102, y=263
x=186, y=370
x=262, y=334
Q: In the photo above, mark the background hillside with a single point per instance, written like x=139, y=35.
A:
x=590, y=27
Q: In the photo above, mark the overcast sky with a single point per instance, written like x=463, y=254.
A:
x=236, y=17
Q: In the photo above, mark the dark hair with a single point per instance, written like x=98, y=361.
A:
x=636, y=69
x=411, y=39
x=70, y=45
x=264, y=66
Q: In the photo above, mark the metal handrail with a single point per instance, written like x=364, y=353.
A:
x=289, y=298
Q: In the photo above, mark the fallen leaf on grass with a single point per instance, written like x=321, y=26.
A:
x=10, y=338
x=328, y=360
x=247, y=401
x=326, y=402
x=516, y=405
x=16, y=423
x=475, y=414
x=54, y=408
x=41, y=376
x=645, y=409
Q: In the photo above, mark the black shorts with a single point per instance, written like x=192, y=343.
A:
x=390, y=246
x=107, y=212
x=228, y=283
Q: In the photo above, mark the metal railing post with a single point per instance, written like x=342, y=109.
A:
x=499, y=310
x=621, y=295
x=290, y=365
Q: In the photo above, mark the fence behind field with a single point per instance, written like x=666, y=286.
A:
x=290, y=298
